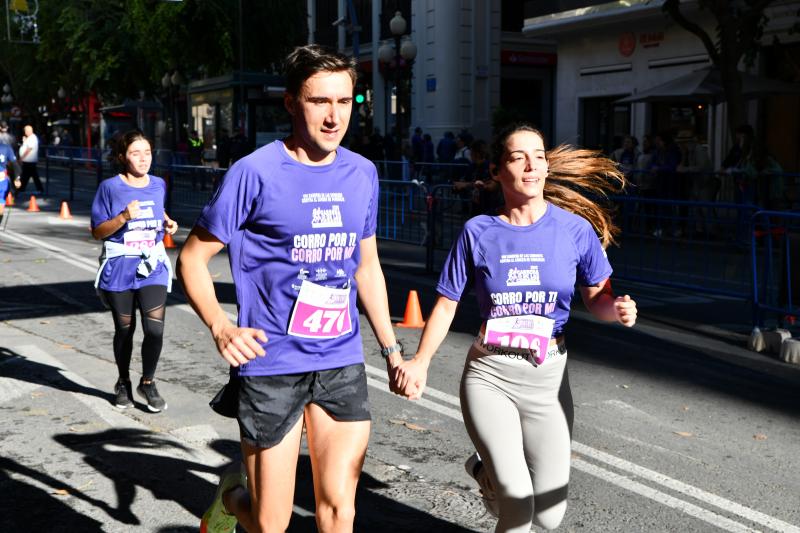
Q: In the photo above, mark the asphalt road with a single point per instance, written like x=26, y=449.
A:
x=678, y=427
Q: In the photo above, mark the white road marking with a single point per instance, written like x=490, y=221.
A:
x=606, y=475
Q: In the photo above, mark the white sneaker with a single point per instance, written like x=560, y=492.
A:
x=474, y=467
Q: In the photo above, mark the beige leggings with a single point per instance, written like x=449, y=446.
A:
x=519, y=418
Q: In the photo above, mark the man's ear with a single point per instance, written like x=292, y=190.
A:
x=288, y=103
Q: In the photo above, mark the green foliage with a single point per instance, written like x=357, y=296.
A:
x=120, y=47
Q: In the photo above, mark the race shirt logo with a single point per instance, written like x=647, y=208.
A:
x=518, y=277
x=326, y=218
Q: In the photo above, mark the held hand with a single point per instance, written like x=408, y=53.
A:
x=411, y=377
x=18, y=183
x=625, y=310
x=392, y=362
x=239, y=345
x=131, y=210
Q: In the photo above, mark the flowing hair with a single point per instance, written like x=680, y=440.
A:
x=578, y=181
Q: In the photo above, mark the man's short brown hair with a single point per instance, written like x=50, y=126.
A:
x=306, y=61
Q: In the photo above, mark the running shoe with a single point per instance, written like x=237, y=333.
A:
x=474, y=467
x=123, y=394
x=149, y=392
x=216, y=519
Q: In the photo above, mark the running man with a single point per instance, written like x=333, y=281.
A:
x=7, y=158
x=299, y=217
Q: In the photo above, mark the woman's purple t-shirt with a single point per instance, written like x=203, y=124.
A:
x=525, y=270
x=112, y=197
x=285, y=222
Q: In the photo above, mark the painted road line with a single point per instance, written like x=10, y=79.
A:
x=382, y=384
x=621, y=464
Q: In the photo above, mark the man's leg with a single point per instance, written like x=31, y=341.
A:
x=266, y=505
x=337, y=452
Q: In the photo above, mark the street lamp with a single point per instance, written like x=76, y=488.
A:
x=396, y=62
x=171, y=83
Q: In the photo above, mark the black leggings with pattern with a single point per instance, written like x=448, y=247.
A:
x=151, y=301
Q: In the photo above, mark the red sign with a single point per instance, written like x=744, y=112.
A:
x=527, y=58
x=627, y=44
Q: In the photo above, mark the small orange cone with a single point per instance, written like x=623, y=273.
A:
x=65, y=214
x=413, y=316
x=10, y=200
x=32, y=206
x=168, y=242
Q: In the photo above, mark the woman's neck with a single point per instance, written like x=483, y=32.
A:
x=524, y=214
x=135, y=180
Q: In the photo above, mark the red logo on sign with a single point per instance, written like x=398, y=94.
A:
x=627, y=44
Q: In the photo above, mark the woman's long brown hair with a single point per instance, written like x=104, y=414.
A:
x=575, y=176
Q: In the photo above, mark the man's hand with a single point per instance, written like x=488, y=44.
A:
x=238, y=345
x=393, y=360
x=410, y=378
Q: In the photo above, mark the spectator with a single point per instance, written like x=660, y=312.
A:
x=29, y=155
x=224, y=149
x=195, y=149
x=695, y=178
x=462, y=148
x=664, y=163
x=5, y=136
x=417, y=152
x=627, y=156
x=240, y=146
x=756, y=172
x=446, y=148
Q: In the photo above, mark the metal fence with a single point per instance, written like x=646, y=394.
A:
x=775, y=247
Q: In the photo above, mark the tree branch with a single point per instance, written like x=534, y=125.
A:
x=673, y=9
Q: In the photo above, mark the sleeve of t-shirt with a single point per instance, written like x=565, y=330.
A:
x=593, y=265
x=371, y=223
x=232, y=203
x=11, y=155
x=101, y=206
x=457, y=268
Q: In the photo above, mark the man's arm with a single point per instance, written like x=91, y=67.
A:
x=236, y=345
x=373, y=297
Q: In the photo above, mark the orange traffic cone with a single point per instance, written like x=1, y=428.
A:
x=168, y=242
x=65, y=214
x=10, y=200
x=413, y=316
x=32, y=206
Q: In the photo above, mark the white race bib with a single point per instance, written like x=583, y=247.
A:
x=140, y=239
x=527, y=332
x=320, y=312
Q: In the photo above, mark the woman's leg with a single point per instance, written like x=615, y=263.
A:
x=122, y=311
x=152, y=301
x=337, y=451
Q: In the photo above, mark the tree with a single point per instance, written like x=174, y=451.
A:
x=739, y=27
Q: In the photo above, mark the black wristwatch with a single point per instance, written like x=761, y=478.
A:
x=386, y=352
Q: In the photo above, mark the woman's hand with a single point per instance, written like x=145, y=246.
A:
x=625, y=310
x=238, y=345
x=131, y=210
x=170, y=226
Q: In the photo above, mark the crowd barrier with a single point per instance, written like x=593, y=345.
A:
x=775, y=256
x=710, y=247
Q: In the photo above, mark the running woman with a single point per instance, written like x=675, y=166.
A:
x=523, y=265
x=7, y=159
x=128, y=216
x=298, y=217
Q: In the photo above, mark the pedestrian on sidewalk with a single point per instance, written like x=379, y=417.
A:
x=523, y=265
x=29, y=155
x=299, y=217
x=135, y=272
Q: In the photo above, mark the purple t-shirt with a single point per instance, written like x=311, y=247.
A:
x=285, y=222
x=112, y=197
x=525, y=270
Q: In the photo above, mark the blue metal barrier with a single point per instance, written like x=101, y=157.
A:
x=775, y=248
x=403, y=211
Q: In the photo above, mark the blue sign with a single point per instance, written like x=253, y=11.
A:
x=430, y=84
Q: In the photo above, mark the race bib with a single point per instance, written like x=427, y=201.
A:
x=527, y=332
x=320, y=312
x=140, y=239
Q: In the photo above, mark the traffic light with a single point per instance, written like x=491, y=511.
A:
x=359, y=94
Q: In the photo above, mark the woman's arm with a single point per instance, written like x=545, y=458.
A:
x=171, y=226
x=600, y=301
x=412, y=375
x=236, y=345
x=113, y=225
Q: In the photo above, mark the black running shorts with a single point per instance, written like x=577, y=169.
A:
x=269, y=406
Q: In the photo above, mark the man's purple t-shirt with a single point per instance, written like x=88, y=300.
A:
x=112, y=197
x=525, y=270
x=285, y=222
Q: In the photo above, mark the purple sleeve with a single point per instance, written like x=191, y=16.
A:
x=232, y=203
x=101, y=206
x=371, y=224
x=457, y=269
x=593, y=266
